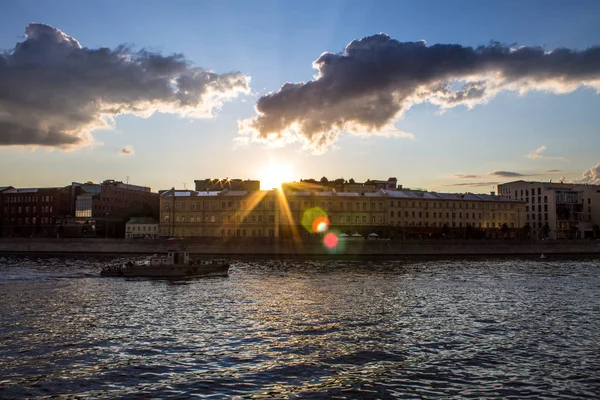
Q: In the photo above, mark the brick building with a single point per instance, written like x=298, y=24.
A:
x=102, y=209
x=34, y=212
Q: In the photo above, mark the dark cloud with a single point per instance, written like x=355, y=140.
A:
x=463, y=176
x=375, y=79
x=474, y=184
x=127, y=151
x=507, y=174
x=54, y=92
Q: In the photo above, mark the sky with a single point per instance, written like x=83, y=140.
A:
x=447, y=96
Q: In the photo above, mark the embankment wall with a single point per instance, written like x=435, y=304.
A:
x=276, y=248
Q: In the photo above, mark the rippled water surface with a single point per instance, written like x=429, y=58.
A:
x=286, y=329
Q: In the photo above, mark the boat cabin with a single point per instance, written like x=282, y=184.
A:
x=172, y=258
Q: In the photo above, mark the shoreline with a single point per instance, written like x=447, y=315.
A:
x=263, y=248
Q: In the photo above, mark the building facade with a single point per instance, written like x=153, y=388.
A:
x=34, y=212
x=209, y=185
x=557, y=210
x=141, y=228
x=189, y=213
x=386, y=212
x=103, y=208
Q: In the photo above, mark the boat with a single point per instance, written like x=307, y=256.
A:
x=175, y=264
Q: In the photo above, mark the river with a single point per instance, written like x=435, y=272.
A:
x=492, y=328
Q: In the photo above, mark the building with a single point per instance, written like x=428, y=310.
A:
x=141, y=228
x=190, y=213
x=557, y=210
x=454, y=214
x=386, y=212
x=103, y=208
x=34, y=212
x=209, y=185
x=340, y=185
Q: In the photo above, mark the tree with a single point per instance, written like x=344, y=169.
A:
x=545, y=231
x=351, y=180
x=527, y=229
x=504, y=229
x=469, y=231
x=324, y=180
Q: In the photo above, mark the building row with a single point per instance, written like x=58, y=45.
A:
x=235, y=207
x=291, y=211
x=79, y=209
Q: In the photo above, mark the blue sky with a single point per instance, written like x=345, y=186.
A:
x=274, y=42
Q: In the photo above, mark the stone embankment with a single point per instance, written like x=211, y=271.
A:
x=264, y=247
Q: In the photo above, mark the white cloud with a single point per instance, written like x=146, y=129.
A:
x=538, y=154
x=592, y=176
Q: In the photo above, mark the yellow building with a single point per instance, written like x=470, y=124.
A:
x=274, y=213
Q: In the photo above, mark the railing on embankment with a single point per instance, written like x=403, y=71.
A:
x=266, y=246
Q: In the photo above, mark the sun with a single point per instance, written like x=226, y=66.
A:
x=273, y=175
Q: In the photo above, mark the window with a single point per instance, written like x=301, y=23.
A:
x=364, y=219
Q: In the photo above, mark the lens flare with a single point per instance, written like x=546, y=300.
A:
x=320, y=225
x=315, y=220
x=330, y=240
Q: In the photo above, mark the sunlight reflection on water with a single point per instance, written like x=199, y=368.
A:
x=283, y=329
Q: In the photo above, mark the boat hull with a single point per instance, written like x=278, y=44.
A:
x=167, y=271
